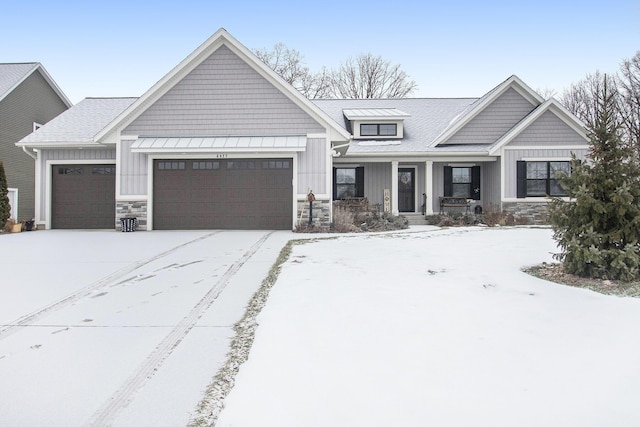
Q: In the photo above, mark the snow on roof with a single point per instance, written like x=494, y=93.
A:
x=12, y=74
x=375, y=113
x=426, y=118
x=80, y=123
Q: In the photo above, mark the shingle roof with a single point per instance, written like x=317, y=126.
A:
x=81, y=123
x=429, y=117
x=12, y=74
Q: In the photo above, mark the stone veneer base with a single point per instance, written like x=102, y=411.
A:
x=135, y=209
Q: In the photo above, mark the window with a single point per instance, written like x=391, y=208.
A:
x=275, y=164
x=541, y=179
x=206, y=165
x=170, y=165
x=240, y=165
x=70, y=171
x=462, y=181
x=103, y=170
x=348, y=182
x=382, y=129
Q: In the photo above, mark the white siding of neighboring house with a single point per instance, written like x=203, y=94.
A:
x=495, y=120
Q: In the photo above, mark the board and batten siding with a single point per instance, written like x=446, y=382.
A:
x=512, y=156
x=312, y=167
x=64, y=156
x=495, y=120
x=132, y=170
x=223, y=96
x=377, y=178
x=548, y=130
x=490, y=184
x=31, y=101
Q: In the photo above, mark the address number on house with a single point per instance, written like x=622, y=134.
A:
x=222, y=155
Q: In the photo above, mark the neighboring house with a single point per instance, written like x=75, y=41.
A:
x=29, y=98
x=221, y=141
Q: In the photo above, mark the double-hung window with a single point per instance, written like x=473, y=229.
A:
x=348, y=182
x=541, y=178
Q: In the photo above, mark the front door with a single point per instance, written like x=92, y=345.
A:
x=406, y=190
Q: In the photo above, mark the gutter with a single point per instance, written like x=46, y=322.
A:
x=30, y=154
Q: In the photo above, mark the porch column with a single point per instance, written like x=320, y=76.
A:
x=394, y=187
x=428, y=185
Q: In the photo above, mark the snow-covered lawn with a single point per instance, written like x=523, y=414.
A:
x=437, y=328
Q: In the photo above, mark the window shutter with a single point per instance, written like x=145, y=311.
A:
x=335, y=184
x=448, y=181
x=360, y=181
x=475, y=182
x=521, y=179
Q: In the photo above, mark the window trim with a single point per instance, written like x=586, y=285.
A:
x=359, y=182
x=475, y=187
x=522, y=179
x=378, y=127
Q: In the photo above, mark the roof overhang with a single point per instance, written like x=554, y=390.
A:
x=375, y=113
x=226, y=144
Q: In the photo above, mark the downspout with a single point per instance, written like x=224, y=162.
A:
x=33, y=156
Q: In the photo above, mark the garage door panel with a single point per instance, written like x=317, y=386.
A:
x=232, y=194
x=83, y=196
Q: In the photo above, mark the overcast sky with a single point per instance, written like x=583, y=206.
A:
x=450, y=48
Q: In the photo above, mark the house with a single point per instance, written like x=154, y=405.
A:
x=221, y=141
x=29, y=98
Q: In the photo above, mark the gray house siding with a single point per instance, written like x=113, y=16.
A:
x=512, y=156
x=312, y=167
x=548, y=130
x=223, y=96
x=132, y=169
x=377, y=178
x=495, y=120
x=490, y=182
x=32, y=101
x=67, y=156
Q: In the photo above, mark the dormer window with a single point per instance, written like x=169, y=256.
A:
x=379, y=129
x=376, y=123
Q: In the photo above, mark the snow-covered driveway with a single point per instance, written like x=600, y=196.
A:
x=439, y=328
x=108, y=328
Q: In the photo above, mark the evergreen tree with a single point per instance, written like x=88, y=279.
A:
x=5, y=208
x=598, y=231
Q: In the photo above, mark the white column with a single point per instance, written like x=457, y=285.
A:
x=394, y=187
x=428, y=185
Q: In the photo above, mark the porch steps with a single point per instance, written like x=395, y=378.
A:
x=415, y=218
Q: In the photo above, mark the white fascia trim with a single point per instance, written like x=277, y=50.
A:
x=59, y=144
x=49, y=164
x=132, y=198
x=545, y=147
x=203, y=152
x=534, y=199
x=546, y=159
x=512, y=82
x=48, y=79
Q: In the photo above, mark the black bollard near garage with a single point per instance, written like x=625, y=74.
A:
x=311, y=198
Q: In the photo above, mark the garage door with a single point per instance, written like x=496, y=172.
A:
x=222, y=194
x=83, y=196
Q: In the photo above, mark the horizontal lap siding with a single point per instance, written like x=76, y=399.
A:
x=495, y=120
x=223, y=96
x=32, y=101
x=512, y=156
x=312, y=167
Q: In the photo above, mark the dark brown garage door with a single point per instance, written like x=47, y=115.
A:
x=83, y=196
x=229, y=194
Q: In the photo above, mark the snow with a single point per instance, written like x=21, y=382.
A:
x=423, y=327
x=436, y=328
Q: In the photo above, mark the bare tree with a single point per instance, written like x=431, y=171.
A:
x=369, y=76
x=582, y=98
x=547, y=93
x=629, y=87
x=290, y=65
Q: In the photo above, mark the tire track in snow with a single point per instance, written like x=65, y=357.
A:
x=24, y=321
x=127, y=391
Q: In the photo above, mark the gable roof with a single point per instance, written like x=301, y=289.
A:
x=460, y=121
x=79, y=124
x=218, y=39
x=11, y=75
x=551, y=105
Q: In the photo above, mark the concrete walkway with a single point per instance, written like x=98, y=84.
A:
x=108, y=328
